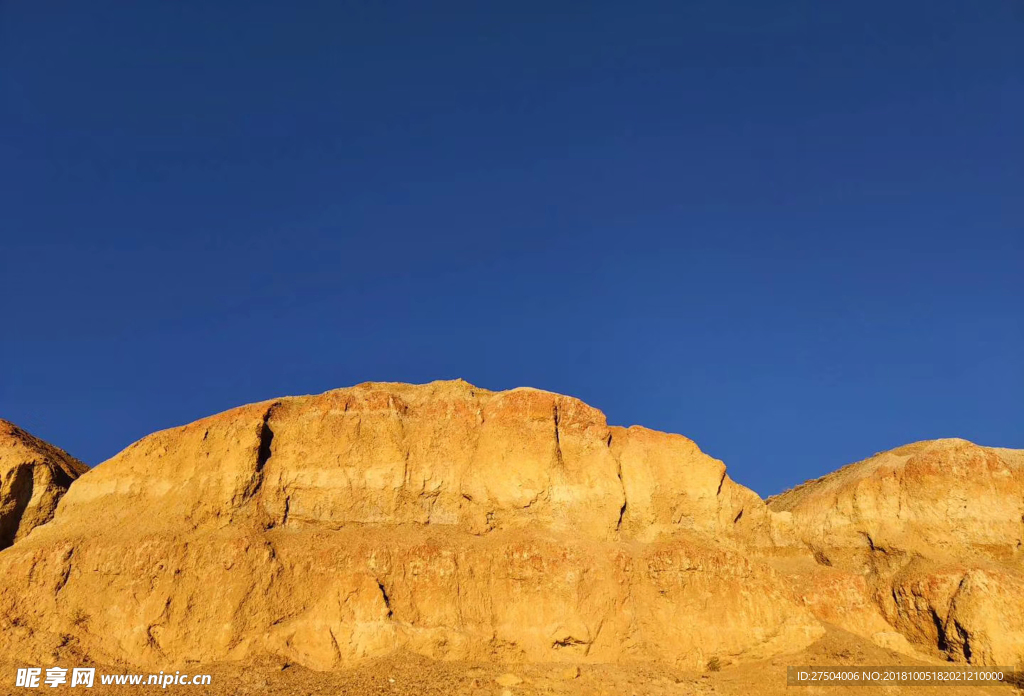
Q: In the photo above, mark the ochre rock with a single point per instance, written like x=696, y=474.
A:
x=937, y=497
x=985, y=623
x=33, y=477
x=973, y=613
x=931, y=535
x=443, y=519
x=464, y=524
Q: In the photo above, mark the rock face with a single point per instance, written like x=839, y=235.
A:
x=446, y=454
x=936, y=497
x=443, y=519
x=933, y=533
x=459, y=523
x=33, y=477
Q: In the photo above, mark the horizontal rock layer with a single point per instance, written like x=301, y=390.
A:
x=327, y=599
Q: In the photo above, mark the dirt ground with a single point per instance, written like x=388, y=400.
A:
x=411, y=675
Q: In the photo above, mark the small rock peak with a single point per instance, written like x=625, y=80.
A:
x=535, y=390
x=35, y=476
x=458, y=383
x=9, y=431
x=921, y=445
x=13, y=437
x=640, y=432
x=440, y=391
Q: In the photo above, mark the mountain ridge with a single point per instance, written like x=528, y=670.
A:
x=460, y=523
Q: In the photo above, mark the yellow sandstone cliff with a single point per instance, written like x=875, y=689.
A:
x=442, y=519
x=459, y=523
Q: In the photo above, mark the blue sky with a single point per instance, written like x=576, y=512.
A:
x=792, y=231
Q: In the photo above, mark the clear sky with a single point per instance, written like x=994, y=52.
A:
x=793, y=231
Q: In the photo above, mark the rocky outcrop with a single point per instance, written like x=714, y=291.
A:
x=443, y=519
x=33, y=477
x=931, y=533
x=940, y=497
x=464, y=524
x=446, y=454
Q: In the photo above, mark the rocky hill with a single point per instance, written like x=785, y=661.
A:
x=442, y=519
x=492, y=527
x=33, y=477
x=931, y=535
x=940, y=497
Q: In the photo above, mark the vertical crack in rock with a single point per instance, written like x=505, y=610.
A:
x=871, y=544
x=337, y=648
x=20, y=488
x=399, y=415
x=822, y=559
x=151, y=640
x=263, y=453
x=600, y=625
x=965, y=638
x=721, y=483
x=254, y=487
x=939, y=628
x=387, y=600
x=558, y=437
x=622, y=484
x=266, y=441
x=457, y=575
x=66, y=575
x=943, y=626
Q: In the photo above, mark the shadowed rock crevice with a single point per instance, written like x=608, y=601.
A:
x=15, y=492
x=558, y=436
x=266, y=439
x=264, y=451
x=622, y=485
x=387, y=600
x=940, y=630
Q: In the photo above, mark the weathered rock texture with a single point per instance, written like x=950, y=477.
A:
x=936, y=497
x=33, y=477
x=931, y=534
x=459, y=523
x=442, y=519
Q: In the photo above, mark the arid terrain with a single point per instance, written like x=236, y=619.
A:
x=445, y=539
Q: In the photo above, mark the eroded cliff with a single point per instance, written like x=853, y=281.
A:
x=931, y=535
x=459, y=523
x=443, y=519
